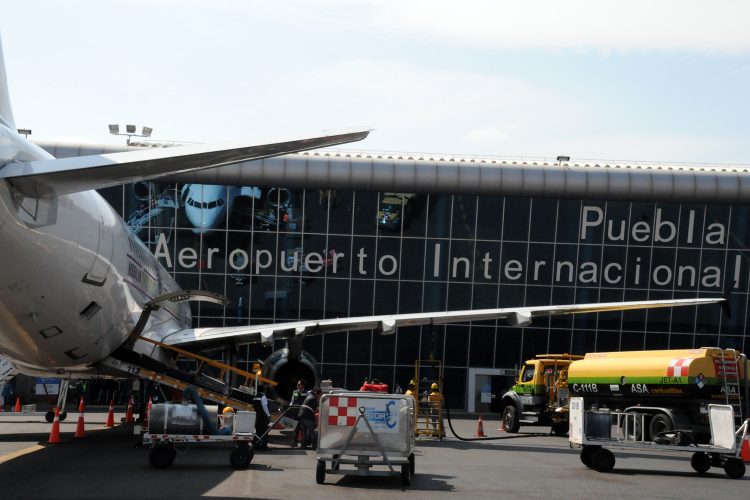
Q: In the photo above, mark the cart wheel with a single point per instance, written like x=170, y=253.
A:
x=405, y=474
x=49, y=416
x=320, y=472
x=161, y=455
x=734, y=468
x=241, y=457
x=700, y=462
x=586, y=454
x=411, y=463
x=603, y=460
x=63, y=416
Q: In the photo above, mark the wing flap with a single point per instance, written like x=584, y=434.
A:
x=387, y=324
x=49, y=178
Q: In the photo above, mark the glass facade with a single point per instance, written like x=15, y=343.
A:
x=281, y=254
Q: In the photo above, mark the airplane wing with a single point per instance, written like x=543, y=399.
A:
x=387, y=324
x=54, y=177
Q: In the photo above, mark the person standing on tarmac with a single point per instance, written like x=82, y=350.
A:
x=298, y=397
x=307, y=418
x=411, y=390
x=262, y=418
x=436, y=401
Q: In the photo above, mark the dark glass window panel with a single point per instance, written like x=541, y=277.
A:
x=485, y=297
x=731, y=342
x=431, y=346
x=680, y=341
x=335, y=347
x=665, y=230
x=717, y=224
x=407, y=344
x=508, y=347
x=363, y=258
x=663, y=269
x=735, y=324
x=489, y=217
x=434, y=297
x=562, y=295
x=607, y=341
x=634, y=320
x=541, y=265
x=706, y=341
x=534, y=342
x=335, y=373
x=362, y=298
x=565, y=267
x=691, y=225
x=631, y=341
x=592, y=222
x=314, y=217
x=516, y=219
x=461, y=261
x=389, y=259
x=687, y=272
x=568, y=221
x=360, y=347
x=610, y=320
x=538, y=296
x=612, y=269
x=543, y=215
x=410, y=297
x=482, y=349
x=340, y=211
x=365, y=212
x=356, y=375
x=415, y=219
x=656, y=341
x=403, y=374
x=262, y=300
x=615, y=224
x=659, y=320
x=338, y=257
x=383, y=350
x=486, y=262
x=384, y=374
x=238, y=293
x=439, y=215
x=386, y=297
x=638, y=272
x=559, y=341
x=738, y=228
x=513, y=269
x=314, y=346
x=114, y=196
x=456, y=345
x=454, y=388
x=437, y=260
x=337, y=298
x=412, y=261
x=511, y=296
x=214, y=283
x=583, y=341
x=464, y=216
x=641, y=228
x=313, y=297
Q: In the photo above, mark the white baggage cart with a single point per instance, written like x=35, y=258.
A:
x=596, y=431
x=364, y=430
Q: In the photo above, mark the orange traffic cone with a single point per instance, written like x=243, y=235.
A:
x=17, y=409
x=480, y=428
x=80, y=432
x=745, y=451
x=502, y=426
x=111, y=415
x=129, y=414
x=54, y=436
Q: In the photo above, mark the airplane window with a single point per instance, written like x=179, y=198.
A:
x=220, y=202
x=212, y=204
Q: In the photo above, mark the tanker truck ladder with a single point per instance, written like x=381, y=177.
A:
x=729, y=360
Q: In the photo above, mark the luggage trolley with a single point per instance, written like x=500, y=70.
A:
x=366, y=429
x=595, y=431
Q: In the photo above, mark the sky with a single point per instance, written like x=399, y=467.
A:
x=629, y=81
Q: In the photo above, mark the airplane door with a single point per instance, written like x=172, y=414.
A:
x=97, y=275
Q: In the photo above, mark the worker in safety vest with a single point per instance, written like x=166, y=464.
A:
x=436, y=401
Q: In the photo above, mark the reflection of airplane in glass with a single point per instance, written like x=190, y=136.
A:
x=150, y=208
x=206, y=205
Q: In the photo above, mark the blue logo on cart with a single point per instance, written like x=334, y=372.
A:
x=383, y=417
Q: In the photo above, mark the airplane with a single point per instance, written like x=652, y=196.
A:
x=206, y=205
x=82, y=297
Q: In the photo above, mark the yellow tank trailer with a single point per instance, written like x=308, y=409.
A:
x=671, y=388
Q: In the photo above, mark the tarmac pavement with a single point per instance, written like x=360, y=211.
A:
x=531, y=464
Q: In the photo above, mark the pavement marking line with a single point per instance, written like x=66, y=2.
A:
x=18, y=453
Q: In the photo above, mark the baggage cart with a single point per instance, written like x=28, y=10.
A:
x=365, y=430
x=598, y=431
x=164, y=445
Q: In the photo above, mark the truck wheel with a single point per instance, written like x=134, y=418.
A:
x=603, y=460
x=700, y=462
x=162, y=455
x=734, y=468
x=659, y=423
x=412, y=465
x=560, y=428
x=586, y=453
x=241, y=457
x=510, y=419
x=320, y=472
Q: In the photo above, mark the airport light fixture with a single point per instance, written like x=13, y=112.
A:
x=561, y=159
x=130, y=131
x=25, y=131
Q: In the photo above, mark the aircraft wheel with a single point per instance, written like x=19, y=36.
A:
x=603, y=460
x=586, y=454
x=405, y=475
x=320, y=472
x=510, y=419
x=162, y=455
x=700, y=462
x=734, y=468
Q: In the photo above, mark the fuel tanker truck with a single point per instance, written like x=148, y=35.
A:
x=671, y=389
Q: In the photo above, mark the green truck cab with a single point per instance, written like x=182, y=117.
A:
x=540, y=395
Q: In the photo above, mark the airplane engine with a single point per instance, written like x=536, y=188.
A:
x=287, y=369
x=141, y=190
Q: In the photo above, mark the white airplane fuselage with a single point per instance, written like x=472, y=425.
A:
x=73, y=279
x=206, y=205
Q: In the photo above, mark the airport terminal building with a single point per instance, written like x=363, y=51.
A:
x=332, y=234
